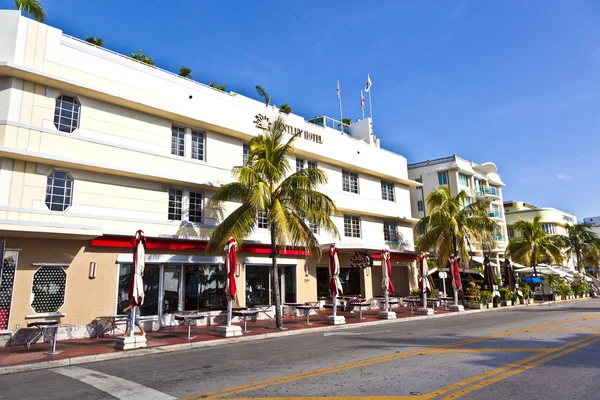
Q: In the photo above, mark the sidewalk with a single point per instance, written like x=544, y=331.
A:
x=78, y=351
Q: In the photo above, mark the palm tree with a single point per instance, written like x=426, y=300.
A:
x=95, y=41
x=579, y=239
x=214, y=86
x=532, y=244
x=140, y=56
x=285, y=108
x=591, y=258
x=264, y=185
x=347, y=121
x=185, y=72
x=33, y=8
x=451, y=228
x=263, y=93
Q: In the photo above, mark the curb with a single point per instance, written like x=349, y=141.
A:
x=12, y=369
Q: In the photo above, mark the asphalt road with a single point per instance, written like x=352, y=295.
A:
x=546, y=352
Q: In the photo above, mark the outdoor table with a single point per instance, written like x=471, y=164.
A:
x=41, y=327
x=263, y=309
x=413, y=303
x=245, y=314
x=360, y=303
x=238, y=308
x=307, y=308
x=445, y=300
x=293, y=307
x=188, y=318
x=111, y=321
x=433, y=300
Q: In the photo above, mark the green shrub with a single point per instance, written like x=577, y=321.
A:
x=474, y=292
x=416, y=292
x=526, y=291
x=577, y=288
x=505, y=294
x=486, y=297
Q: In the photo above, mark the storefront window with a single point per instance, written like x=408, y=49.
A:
x=258, y=286
x=290, y=285
x=205, y=288
x=350, y=278
x=151, y=284
x=323, y=282
x=171, y=279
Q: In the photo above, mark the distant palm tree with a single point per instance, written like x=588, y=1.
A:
x=285, y=108
x=214, y=86
x=185, y=72
x=263, y=93
x=579, y=239
x=140, y=56
x=264, y=185
x=347, y=121
x=591, y=258
x=451, y=228
x=96, y=41
x=533, y=244
x=33, y=8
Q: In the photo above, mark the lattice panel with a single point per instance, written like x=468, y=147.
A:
x=6, y=287
x=48, y=290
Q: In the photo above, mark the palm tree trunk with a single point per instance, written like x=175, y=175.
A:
x=275, y=277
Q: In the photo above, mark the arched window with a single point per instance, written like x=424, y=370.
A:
x=59, y=191
x=66, y=113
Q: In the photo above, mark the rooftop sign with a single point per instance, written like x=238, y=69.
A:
x=262, y=122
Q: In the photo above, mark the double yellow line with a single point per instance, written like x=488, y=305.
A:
x=220, y=393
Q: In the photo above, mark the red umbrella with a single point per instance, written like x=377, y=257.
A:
x=229, y=267
x=455, y=272
x=386, y=269
x=335, y=286
x=136, y=287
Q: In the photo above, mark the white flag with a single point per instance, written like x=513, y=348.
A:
x=368, y=85
x=338, y=89
x=362, y=99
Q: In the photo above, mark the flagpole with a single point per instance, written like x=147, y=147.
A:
x=339, y=93
x=362, y=104
x=370, y=107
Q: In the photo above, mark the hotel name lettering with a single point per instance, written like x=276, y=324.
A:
x=262, y=122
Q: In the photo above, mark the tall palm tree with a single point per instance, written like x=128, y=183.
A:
x=532, y=244
x=451, y=227
x=33, y=8
x=98, y=41
x=591, y=258
x=185, y=72
x=264, y=185
x=579, y=239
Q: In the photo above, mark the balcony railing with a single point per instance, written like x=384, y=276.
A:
x=495, y=214
x=330, y=123
x=486, y=191
x=498, y=237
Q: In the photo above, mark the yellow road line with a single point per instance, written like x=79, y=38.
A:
x=333, y=398
x=521, y=368
x=572, y=329
x=494, y=350
x=230, y=391
x=492, y=373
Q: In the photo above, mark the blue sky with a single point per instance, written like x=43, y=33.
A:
x=511, y=82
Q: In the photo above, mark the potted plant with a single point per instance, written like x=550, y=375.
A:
x=474, y=295
x=577, y=289
x=526, y=294
x=486, y=299
x=556, y=293
x=506, y=297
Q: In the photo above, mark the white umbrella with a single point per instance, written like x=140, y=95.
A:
x=136, y=287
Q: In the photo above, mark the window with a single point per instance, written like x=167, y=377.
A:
x=177, y=141
x=198, y=138
x=351, y=226
x=390, y=232
x=419, y=179
x=349, y=182
x=463, y=179
x=66, y=114
x=48, y=291
x=511, y=232
x=420, y=205
x=387, y=191
x=311, y=164
x=314, y=228
x=151, y=285
x=549, y=228
x=467, y=201
x=59, y=191
x=299, y=164
x=246, y=153
x=443, y=177
x=195, y=207
x=262, y=220
x=175, y=197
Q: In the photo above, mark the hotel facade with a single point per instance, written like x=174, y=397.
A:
x=479, y=181
x=95, y=145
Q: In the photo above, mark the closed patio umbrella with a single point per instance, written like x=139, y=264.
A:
x=510, y=276
x=489, y=278
x=136, y=287
x=386, y=271
x=455, y=272
x=229, y=269
x=424, y=278
x=335, y=285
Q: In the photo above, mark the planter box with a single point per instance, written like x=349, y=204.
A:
x=475, y=306
x=490, y=305
x=529, y=301
x=506, y=303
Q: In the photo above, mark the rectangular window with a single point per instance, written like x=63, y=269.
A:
x=314, y=228
x=311, y=164
x=151, y=285
x=299, y=164
x=549, y=228
x=443, y=177
x=511, y=232
x=350, y=182
x=198, y=138
x=177, y=141
x=467, y=201
x=420, y=205
x=387, y=191
x=195, y=207
x=262, y=220
x=390, y=232
x=175, y=200
x=463, y=179
x=246, y=153
x=419, y=179
x=351, y=226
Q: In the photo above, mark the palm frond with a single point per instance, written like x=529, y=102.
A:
x=263, y=93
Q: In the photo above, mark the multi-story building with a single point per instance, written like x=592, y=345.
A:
x=553, y=220
x=95, y=145
x=594, y=223
x=479, y=181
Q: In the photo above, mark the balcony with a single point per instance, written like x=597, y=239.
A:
x=330, y=123
x=498, y=237
x=487, y=193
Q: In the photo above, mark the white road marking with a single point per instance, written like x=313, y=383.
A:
x=113, y=385
x=353, y=333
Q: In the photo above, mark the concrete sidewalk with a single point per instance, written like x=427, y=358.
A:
x=20, y=358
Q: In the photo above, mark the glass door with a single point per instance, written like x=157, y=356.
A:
x=289, y=279
x=258, y=285
x=171, y=282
